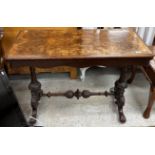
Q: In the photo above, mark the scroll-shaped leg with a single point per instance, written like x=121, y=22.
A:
x=36, y=93
x=151, y=101
x=119, y=90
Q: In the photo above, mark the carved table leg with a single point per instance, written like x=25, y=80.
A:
x=133, y=74
x=36, y=93
x=151, y=101
x=119, y=90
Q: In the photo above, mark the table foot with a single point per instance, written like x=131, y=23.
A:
x=32, y=121
x=146, y=113
x=122, y=117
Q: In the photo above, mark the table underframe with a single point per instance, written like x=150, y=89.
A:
x=117, y=92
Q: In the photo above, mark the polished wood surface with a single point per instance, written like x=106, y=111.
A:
x=9, y=37
x=69, y=44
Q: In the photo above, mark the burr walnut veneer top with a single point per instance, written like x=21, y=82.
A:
x=68, y=44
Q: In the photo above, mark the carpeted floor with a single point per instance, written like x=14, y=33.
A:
x=95, y=111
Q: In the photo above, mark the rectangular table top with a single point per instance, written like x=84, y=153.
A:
x=69, y=44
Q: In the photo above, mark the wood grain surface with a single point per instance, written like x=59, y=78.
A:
x=9, y=37
x=68, y=44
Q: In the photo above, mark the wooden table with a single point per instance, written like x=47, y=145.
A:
x=79, y=48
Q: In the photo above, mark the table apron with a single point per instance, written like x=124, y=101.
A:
x=112, y=62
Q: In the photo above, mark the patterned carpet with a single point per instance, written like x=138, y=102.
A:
x=95, y=111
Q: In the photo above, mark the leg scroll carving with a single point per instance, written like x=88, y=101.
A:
x=119, y=89
x=36, y=93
